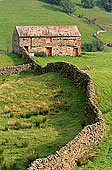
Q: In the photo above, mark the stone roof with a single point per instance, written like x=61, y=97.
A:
x=38, y=31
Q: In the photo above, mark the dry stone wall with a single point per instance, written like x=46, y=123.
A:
x=67, y=157
x=15, y=69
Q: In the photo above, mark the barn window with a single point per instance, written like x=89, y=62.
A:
x=48, y=39
x=26, y=47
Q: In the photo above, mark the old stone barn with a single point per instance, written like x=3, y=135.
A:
x=54, y=40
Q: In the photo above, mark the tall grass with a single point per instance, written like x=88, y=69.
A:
x=39, y=114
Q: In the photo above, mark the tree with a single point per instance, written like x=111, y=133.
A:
x=107, y=4
x=67, y=6
x=88, y=3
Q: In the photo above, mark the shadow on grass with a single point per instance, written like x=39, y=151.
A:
x=17, y=60
x=50, y=6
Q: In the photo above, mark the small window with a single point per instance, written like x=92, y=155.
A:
x=26, y=47
x=48, y=39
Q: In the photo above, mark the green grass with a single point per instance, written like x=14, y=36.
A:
x=35, y=12
x=10, y=59
x=49, y=99
x=101, y=62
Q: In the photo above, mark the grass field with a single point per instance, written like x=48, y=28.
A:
x=42, y=112
x=101, y=62
x=12, y=88
x=10, y=59
x=35, y=12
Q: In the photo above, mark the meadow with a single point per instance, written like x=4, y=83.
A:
x=10, y=59
x=101, y=73
x=42, y=112
x=38, y=133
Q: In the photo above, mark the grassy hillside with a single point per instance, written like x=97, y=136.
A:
x=101, y=62
x=10, y=59
x=42, y=112
x=35, y=12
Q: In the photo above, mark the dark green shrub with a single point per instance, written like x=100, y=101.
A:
x=107, y=4
x=88, y=3
x=67, y=6
x=40, y=54
x=53, y=1
x=96, y=45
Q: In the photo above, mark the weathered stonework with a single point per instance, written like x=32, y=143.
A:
x=67, y=157
x=15, y=69
x=53, y=40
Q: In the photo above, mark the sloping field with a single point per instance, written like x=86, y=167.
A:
x=38, y=115
x=35, y=12
x=10, y=59
x=101, y=72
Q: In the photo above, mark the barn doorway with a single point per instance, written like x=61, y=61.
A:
x=75, y=51
x=49, y=51
x=26, y=47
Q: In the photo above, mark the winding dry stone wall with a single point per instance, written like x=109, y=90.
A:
x=15, y=69
x=67, y=157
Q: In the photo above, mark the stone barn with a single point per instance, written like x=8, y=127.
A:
x=53, y=40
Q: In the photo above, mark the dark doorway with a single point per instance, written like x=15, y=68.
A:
x=75, y=52
x=49, y=51
x=26, y=47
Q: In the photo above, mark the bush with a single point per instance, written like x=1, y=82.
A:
x=54, y=1
x=107, y=5
x=40, y=54
x=96, y=45
x=67, y=6
x=88, y=3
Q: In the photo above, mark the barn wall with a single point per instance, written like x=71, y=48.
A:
x=61, y=46
x=15, y=42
